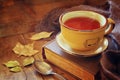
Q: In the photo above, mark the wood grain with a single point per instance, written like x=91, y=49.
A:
x=21, y=16
x=18, y=20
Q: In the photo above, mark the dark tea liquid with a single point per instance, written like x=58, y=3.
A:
x=82, y=23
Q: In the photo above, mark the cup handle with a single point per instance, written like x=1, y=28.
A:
x=111, y=25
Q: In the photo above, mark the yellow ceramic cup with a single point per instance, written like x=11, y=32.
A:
x=85, y=39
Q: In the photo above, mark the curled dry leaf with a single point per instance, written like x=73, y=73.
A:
x=16, y=69
x=41, y=35
x=25, y=50
x=12, y=64
x=28, y=61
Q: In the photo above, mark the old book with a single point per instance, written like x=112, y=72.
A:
x=85, y=68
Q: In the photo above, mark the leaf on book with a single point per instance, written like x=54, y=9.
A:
x=41, y=35
x=12, y=64
x=25, y=50
x=16, y=69
x=28, y=61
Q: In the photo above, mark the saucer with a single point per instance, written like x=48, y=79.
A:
x=69, y=50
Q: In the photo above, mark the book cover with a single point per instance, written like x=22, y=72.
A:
x=85, y=68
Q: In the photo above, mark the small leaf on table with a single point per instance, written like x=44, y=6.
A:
x=16, y=69
x=28, y=61
x=41, y=35
x=25, y=50
x=12, y=64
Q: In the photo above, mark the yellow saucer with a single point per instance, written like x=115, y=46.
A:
x=68, y=49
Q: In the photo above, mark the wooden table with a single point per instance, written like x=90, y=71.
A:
x=6, y=54
x=17, y=24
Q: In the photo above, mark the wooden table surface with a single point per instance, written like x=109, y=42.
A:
x=6, y=54
x=17, y=24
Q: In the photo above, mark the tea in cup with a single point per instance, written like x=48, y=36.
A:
x=84, y=30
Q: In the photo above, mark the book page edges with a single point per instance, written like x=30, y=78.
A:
x=67, y=65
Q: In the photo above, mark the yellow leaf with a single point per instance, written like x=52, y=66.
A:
x=28, y=61
x=41, y=35
x=30, y=53
x=18, y=48
x=16, y=69
x=25, y=50
x=29, y=46
x=12, y=64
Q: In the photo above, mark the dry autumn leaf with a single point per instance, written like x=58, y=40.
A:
x=16, y=69
x=28, y=61
x=25, y=50
x=17, y=49
x=41, y=35
x=12, y=64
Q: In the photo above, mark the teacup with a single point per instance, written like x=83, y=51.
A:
x=84, y=30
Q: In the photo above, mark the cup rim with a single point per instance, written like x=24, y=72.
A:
x=93, y=30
